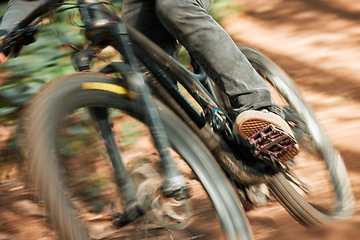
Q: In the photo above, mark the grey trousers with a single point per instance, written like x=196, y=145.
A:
x=166, y=21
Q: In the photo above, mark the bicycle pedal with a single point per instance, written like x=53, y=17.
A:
x=272, y=140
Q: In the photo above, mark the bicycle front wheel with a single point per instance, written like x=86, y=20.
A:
x=315, y=187
x=74, y=177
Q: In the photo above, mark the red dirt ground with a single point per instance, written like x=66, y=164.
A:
x=317, y=43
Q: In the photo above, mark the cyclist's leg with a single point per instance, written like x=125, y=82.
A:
x=189, y=22
x=221, y=59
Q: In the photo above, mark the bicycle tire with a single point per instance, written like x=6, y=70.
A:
x=43, y=118
x=304, y=212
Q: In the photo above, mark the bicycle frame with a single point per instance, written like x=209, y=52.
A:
x=104, y=28
x=167, y=71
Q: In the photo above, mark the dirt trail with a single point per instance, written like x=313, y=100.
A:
x=317, y=43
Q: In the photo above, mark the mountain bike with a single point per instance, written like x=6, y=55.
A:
x=189, y=175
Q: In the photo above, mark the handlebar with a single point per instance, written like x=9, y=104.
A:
x=93, y=12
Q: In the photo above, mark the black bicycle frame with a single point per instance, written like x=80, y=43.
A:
x=167, y=72
x=102, y=28
x=133, y=45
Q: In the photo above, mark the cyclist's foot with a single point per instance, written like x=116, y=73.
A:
x=268, y=131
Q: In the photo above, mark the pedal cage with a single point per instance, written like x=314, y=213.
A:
x=272, y=140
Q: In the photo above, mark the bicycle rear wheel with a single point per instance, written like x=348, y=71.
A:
x=319, y=190
x=73, y=175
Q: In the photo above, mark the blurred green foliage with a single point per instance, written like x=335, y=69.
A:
x=38, y=63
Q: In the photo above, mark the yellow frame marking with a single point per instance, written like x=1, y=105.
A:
x=109, y=87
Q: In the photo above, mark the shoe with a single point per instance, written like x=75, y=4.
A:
x=251, y=122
